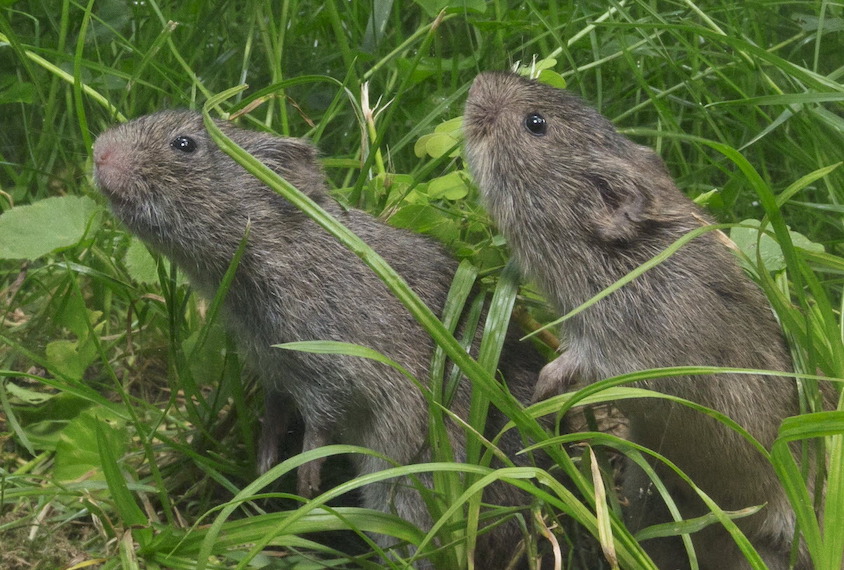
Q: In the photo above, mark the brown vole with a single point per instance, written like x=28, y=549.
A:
x=174, y=188
x=581, y=206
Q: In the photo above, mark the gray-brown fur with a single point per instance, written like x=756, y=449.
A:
x=296, y=282
x=581, y=206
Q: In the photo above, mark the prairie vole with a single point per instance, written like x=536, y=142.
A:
x=581, y=206
x=174, y=188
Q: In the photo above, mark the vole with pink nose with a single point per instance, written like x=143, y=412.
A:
x=581, y=206
x=172, y=186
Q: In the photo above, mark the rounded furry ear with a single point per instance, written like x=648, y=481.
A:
x=631, y=197
x=294, y=159
x=625, y=207
x=280, y=153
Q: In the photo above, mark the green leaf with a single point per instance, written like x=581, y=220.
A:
x=31, y=231
x=451, y=126
x=542, y=71
x=452, y=186
x=44, y=423
x=78, y=449
x=75, y=316
x=17, y=92
x=71, y=358
x=706, y=198
x=141, y=265
x=803, y=427
x=552, y=78
x=436, y=144
x=420, y=149
x=426, y=219
x=773, y=259
x=27, y=396
x=344, y=348
x=110, y=448
x=207, y=369
x=444, y=139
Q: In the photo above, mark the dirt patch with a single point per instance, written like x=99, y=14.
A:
x=32, y=541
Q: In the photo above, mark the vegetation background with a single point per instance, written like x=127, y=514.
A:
x=126, y=429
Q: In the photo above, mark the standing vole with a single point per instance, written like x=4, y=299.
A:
x=173, y=187
x=581, y=206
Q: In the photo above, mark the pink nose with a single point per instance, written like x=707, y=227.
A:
x=111, y=166
x=101, y=155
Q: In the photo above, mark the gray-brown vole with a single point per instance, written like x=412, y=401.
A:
x=581, y=206
x=174, y=188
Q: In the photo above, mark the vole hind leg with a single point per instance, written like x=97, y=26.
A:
x=278, y=413
x=714, y=547
x=646, y=508
x=557, y=376
x=308, y=476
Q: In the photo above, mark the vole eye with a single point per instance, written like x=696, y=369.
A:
x=536, y=124
x=184, y=144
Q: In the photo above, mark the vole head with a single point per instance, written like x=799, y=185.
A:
x=170, y=183
x=536, y=147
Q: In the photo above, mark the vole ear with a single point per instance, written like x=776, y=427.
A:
x=631, y=195
x=282, y=154
x=625, y=207
x=294, y=159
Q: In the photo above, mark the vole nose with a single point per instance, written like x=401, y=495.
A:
x=101, y=155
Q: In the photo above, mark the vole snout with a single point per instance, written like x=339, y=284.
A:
x=113, y=165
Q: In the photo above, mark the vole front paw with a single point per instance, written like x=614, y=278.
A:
x=278, y=413
x=308, y=476
x=556, y=377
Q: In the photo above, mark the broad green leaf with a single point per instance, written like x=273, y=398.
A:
x=436, y=144
x=542, y=70
x=426, y=219
x=552, y=78
x=452, y=186
x=27, y=396
x=71, y=358
x=420, y=148
x=207, y=370
x=75, y=316
x=746, y=238
x=140, y=264
x=452, y=127
x=34, y=230
x=78, y=449
x=444, y=139
x=17, y=92
x=44, y=423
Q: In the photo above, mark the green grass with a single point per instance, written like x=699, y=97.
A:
x=125, y=423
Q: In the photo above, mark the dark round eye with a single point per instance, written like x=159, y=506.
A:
x=184, y=144
x=535, y=124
